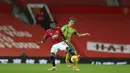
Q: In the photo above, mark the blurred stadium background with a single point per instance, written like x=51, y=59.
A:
x=23, y=23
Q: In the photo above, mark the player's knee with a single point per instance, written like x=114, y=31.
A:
x=71, y=52
x=67, y=49
x=52, y=54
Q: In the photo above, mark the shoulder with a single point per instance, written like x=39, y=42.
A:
x=65, y=26
x=58, y=29
x=49, y=31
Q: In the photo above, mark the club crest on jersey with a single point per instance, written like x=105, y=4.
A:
x=54, y=36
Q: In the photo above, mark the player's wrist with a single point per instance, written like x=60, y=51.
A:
x=84, y=34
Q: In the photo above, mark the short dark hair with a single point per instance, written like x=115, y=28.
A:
x=72, y=19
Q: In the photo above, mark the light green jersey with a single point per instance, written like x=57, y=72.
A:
x=68, y=31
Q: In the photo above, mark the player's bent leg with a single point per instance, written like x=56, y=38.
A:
x=65, y=47
x=72, y=49
x=52, y=56
x=71, y=52
x=68, y=55
x=67, y=60
x=75, y=66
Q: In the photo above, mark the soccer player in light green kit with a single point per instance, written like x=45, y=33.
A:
x=68, y=30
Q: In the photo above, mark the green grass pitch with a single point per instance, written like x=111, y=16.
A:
x=62, y=68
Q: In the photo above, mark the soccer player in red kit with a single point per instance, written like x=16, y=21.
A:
x=58, y=41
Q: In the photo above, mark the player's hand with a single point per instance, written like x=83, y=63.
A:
x=88, y=34
x=39, y=43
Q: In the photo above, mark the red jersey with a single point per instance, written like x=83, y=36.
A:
x=54, y=34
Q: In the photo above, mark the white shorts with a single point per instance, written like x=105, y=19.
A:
x=59, y=46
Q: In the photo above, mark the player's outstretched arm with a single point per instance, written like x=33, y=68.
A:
x=85, y=34
x=42, y=41
x=44, y=38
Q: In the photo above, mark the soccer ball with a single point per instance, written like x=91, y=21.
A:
x=74, y=58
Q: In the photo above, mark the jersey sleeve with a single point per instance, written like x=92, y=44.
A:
x=63, y=28
x=46, y=35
